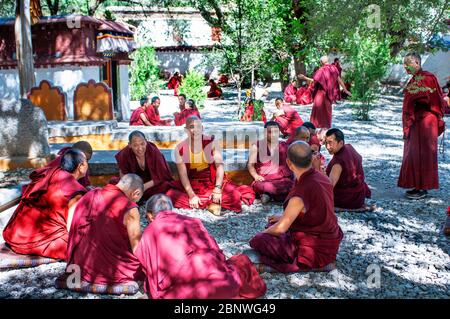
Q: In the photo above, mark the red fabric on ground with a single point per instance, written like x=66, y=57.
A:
x=289, y=121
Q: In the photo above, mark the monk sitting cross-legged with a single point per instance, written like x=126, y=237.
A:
x=143, y=158
x=41, y=222
x=182, y=260
x=307, y=235
x=139, y=115
x=152, y=113
x=214, y=91
x=200, y=168
x=106, y=224
x=267, y=165
x=290, y=92
x=189, y=110
x=287, y=117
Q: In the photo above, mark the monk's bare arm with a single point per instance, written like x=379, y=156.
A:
x=218, y=161
x=72, y=205
x=145, y=120
x=294, y=207
x=342, y=84
x=304, y=77
x=252, y=158
x=335, y=173
x=182, y=172
x=131, y=221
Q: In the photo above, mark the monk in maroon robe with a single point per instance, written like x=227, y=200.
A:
x=346, y=173
x=304, y=94
x=200, y=168
x=223, y=80
x=174, y=83
x=182, y=260
x=290, y=92
x=214, y=91
x=105, y=224
x=287, y=117
x=143, y=158
x=423, y=110
x=189, y=110
x=40, y=224
x=267, y=164
x=181, y=105
x=326, y=88
x=152, y=113
x=307, y=235
x=139, y=115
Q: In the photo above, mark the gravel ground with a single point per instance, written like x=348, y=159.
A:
x=402, y=240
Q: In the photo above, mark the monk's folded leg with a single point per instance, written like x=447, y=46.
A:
x=231, y=198
x=276, y=189
x=252, y=285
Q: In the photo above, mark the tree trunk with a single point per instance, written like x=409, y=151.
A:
x=24, y=47
x=284, y=79
x=299, y=66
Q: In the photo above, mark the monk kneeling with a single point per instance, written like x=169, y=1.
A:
x=307, y=235
x=182, y=260
x=41, y=223
x=287, y=117
x=267, y=165
x=106, y=224
x=202, y=176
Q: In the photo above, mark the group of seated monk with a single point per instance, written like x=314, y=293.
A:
x=187, y=109
x=298, y=95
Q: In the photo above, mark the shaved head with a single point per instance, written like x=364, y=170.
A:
x=324, y=59
x=192, y=119
x=136, y=134
x=300, y=154
x=413, y=56
x=158, y=203
x=85, y=147
x=131, y=183
x=302, y=133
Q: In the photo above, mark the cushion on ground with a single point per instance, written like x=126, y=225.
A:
x=129, y=288
x=9, y=259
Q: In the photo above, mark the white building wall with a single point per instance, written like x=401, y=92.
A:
x=184, y=61
x=124, y=93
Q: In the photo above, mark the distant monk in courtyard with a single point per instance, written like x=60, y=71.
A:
x=290, y=92
x=307, y=235
x=304, y=94
x=287, y=117
x=267, y=164
x=423, y=111
x=143, y=158
x=214, y=91
x=40, y=224
x=106, y=224
x=223, y=80
x=326, y=88
x=139, y=115
x=181, y=102
x=346, y=173
x=83, y=146
x=175, y=82
x=249, y=112
x=182, y=260
x=202, y=176
x=189, y=110
x=152, y=113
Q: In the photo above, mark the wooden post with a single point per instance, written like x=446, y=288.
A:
x=24, y=47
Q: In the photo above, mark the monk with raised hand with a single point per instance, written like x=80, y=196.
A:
x=346, y=173
x=326, y=91
x=106, y=224
x=307, y=235
x=287, y=117
x=189, y=110
x=41, y=223
x=267, y=164
x=182, y=260
x=139, y=115
x=152, y=113
x=143, y=158
x=202, y=176
x=423, y=111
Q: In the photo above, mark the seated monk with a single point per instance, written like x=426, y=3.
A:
x=314, y=141
x=223, y=80
x=143, y=158
x=181, y=104
x=290, y=92
x=303, y=133
x=303, y=95
x=267, y=164
x=287, y=117
x=190, y=110
x=139, y=115
x=200, y=168
x=175, y=82
x=307, y=235
x=152, y=113
x=214, y=91
x=249, y=112
x=106, y=224
x=83, y=146
x=346, y=173
x=40, y=224
x=182, y=260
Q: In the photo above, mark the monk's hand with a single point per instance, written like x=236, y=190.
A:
x=316, y=161
x=195, y=202
x=348, y=92
x=259, y=178
x=216, y=196
x=301, y=76
x=273, y=219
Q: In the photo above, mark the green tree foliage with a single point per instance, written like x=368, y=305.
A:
x=7, y=8
x=193, y=87
x=144, y=70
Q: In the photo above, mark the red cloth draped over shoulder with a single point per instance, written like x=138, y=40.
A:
x=154, y=118
x=290, y=93
x=135, y=118
x=98, y=239
x=304, y=95
x=181, y=117
x=326, y=78
x=39, y=224
x=272, y=167
x=289, y=121
x=84, y=181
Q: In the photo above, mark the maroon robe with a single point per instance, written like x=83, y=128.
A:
x=84, y=181
x=98, y=239
x=289, y=121
x=423, y=110
x=181, y=117
x=39, y=224
x=290, y=93
x=156, y=168
x=135, y=118
x=174, y=83
x=183, y=261
x=278, y=178
x=214, y=90
x=304, y=95
x=203, y=182
x=324, y=94
x=314, y=237
x=153, y=117
x=351, y=189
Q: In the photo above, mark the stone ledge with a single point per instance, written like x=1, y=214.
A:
x=10, y=163
x=79, y=128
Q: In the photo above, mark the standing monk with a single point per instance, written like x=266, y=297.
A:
x=326, y=87
x=139, y=115
x=423, y=109
x=202, y=176
x=152, y=113
x=290, y=92
x=307, y=235
x=182, y=260
x=287, y=117
x=143, y=158
x=40, y=224
x=106, y=224
x=174, y=83
x=267, y=165
x=189, y=110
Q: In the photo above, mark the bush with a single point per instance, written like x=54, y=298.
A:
x=192, y=86
x=144, y=70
